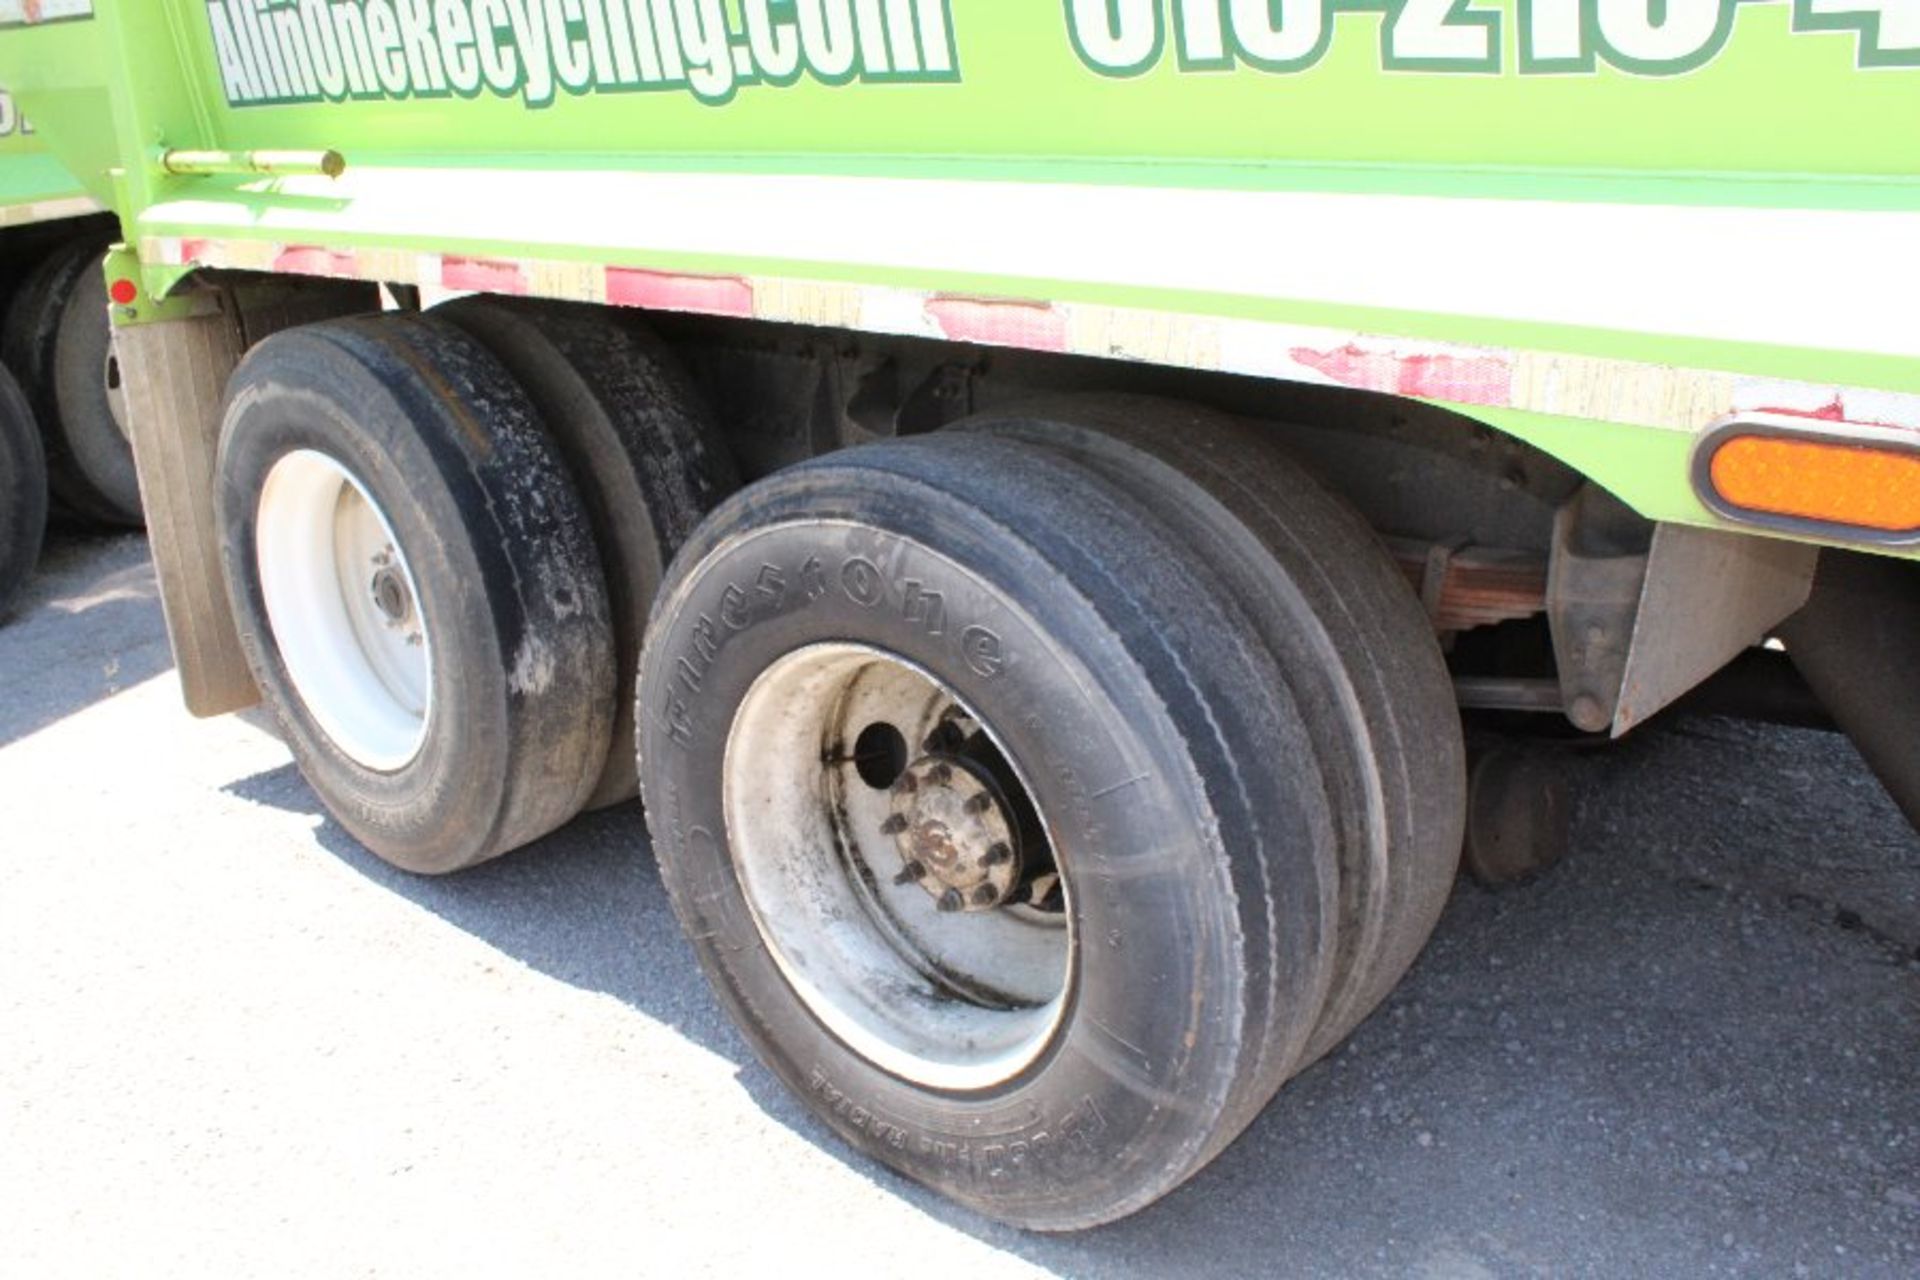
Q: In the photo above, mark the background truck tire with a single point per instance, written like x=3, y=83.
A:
x=1356, y=649
x=1857, y=642
x=492, y=729
x=645, y=456
x=58, y=339
x=1127, y=699
x=95, y=448
x=23, y=493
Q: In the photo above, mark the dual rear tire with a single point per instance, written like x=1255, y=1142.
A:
x=1195, y=708
x=422, y=589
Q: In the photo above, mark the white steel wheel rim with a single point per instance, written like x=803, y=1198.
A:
x=953, y=1000
x=344, y=610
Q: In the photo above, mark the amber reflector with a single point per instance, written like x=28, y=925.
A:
x=1850, y=484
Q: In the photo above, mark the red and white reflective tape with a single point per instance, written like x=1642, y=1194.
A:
x=1559, y=384
x=20, y=215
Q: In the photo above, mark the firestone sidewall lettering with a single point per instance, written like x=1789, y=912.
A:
x=288, y=51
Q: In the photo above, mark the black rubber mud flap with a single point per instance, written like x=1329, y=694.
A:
x=448, y=447
x=23, y=493
x=1183, y=794
x=641, y=448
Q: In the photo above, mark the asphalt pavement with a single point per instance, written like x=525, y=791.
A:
x=234, y=1044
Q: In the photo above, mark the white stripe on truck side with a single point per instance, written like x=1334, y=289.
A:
x=1827, y=279
x=1566, y=385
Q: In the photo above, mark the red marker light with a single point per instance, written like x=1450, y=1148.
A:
x=123, y=292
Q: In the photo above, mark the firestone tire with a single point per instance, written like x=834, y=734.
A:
x=23, y=493
x=416, y=588
x=1068, y=658
x=641, y=449
x=1356, y=648
x=58, y=340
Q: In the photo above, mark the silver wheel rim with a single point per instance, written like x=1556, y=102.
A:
x=344, y=610
x=957, y=993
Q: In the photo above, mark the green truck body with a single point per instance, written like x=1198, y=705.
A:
x=1600, y=225
x=1255, y=397
x=34, y=186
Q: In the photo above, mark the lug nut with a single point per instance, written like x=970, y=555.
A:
x=894, y=825
x=951, y=901
x=984, y=896
x=940, y=774
x=996, y=854
x=979, y=802
x=911, y=872
x=907, y=783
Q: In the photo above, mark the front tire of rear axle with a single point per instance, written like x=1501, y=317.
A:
x=415, y=587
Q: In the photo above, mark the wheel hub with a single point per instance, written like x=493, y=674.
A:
x=846, y=838
x=956, y=839
x=391, y=598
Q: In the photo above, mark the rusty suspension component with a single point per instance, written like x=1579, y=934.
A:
x=1468, y=587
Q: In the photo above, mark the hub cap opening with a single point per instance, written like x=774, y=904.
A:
x=897, y=867
x=116, y=392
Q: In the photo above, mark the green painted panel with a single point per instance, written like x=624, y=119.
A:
x=1779, y=88
x=1721, y=106
x=30, y=175
x=1018, y=89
